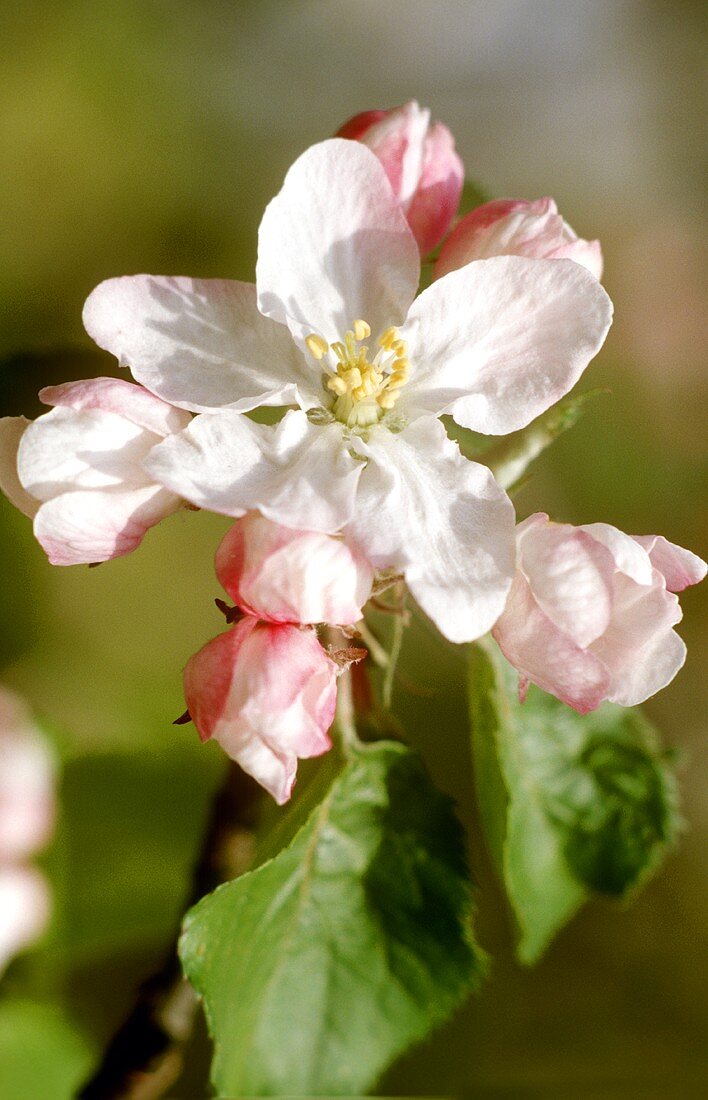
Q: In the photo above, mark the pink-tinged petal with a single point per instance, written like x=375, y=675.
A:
x=679, y=568
x=267, y=694
x=91, y=449
x=516, y=227
x=27, y=777
x=25, y=908
x=639, y=647
x=123, y=398
x=88, y=526
x=503, y=227
x=545, y=655
x=437, y=196
x=398, y=141
x=443, y=521
x=200, y=344
x=334, y=246
x=629, y=557
x=290, y=576
x=587, y=253
x=296, y=473
x=12, y=428
x=571, y=577
x=500, y=341
x=356, y=126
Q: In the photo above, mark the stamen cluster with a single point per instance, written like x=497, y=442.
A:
x=364, y=389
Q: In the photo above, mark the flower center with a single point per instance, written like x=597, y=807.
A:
x=363, y=389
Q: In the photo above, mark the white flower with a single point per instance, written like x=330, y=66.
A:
x=77, y=470
x=332, y=327
x=287, y=576
x=590, y=615
x=267, y=692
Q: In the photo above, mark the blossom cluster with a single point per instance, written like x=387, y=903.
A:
x=27, y=812
x=267, y=689
x=359, y=476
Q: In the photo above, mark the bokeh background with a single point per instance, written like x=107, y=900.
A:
x=147, y=135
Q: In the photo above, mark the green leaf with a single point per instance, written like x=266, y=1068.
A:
x=42, y=1054
x=509, y=458
x=570, y=805
x=321, y=966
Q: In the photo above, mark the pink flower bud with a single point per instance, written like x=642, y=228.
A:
x=24, y=910
x=287, y=576
x=27, y=804
x=267, y=694
x=77, y=470
x=590, y=612
x=515, y=227
x=424, y=170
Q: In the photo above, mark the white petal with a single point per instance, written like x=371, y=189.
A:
x=90, y=449
x=334, y=246
x=544, y=654
x=503, y=339
x=444, y=521
x=118, y=396
x=200, y=344
x=25, y=908
x=12, y=428
x=571, y=577
x=296, y=473
x=640, y=649
x=629, y=557
x=85, y=527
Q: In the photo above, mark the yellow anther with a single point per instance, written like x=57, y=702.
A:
x=402, y=366
x=340, y=351
x=396, y=381
x=399, y=346
x=316, y=345
x=354, y=378
x=362, y=331
x=337, y=385
x=386, y=338
x=387, y=400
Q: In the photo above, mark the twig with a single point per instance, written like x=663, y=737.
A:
x=146, y=1055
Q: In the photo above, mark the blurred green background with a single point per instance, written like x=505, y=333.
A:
x=148, y=136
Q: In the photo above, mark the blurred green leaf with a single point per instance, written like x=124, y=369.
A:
x=321, y=966
x=509, y=457
x=569, y=804
x=127, y=840
x=519, y=450
x=42, y=1053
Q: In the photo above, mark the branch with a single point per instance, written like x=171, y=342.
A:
x=146, y=1055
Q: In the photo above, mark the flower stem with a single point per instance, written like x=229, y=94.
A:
x=345, y=717
x=378, y=654
x=399, y=624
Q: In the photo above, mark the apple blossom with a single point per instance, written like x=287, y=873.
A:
x=424, y=170
x=27, y=813
x=494, y=344
x=516, y=227
x=591, y=610
x=27, y=773
x=287, y=576
x=25, y=908
x=267, y=693
x=77, y=470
